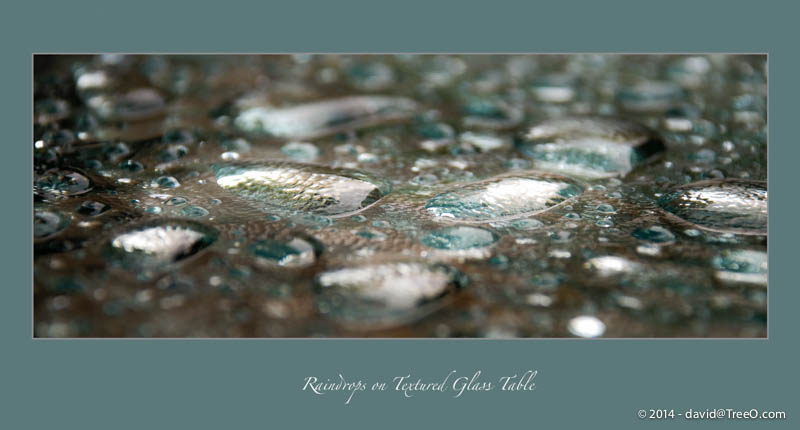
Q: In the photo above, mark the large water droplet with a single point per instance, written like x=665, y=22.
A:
x=155, y=245
x=590, y=147
x=323, y=118
x=302, y=187
x=504, y=197
x=383, y=295
x=725, y=205
x=62, y=183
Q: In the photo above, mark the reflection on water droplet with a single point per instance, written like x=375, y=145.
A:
x=590, y=147
x=384, y=295
x=156, y=245
x=725, y=205
x=586, y=326
x=611, y=265
x=503, y=197
x=324, y=118
x=459, y=238
x=302, y=187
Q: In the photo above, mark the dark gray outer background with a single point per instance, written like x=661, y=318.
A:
x=232, y=384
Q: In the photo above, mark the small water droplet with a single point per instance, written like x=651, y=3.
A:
x=300, y=151
x=165, y=182
x=655, y=234
x=194, y=211
x=92, y=208
x=459, y=238
x=586, y=326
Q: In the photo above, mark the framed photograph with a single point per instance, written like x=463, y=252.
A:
x=400, y=216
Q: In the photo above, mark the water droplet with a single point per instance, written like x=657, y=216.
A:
x=503, y=197
x=302, y=187
x=590, y=147
x=300, y=151
x=724, y=205
x=174, y=152
x=229, y=156
x=194, y=211
x=373, y=76
x=62, y=183
x=176, y=201
x=555, y=88
x=295, y=252
x=459, y=238
x=483, y=142
x=745, y=266
x=153, y=210
x=370, y=234
x=611, y=265
x=50, y=110
x=157, y=244
x=131, y=166
x=561, y=236
x=586, y=326
x=491, y=115
x=138, y=104
x=651, y=96
x=527, y=224
x=91, y=208
x=655, y=234
x=324, y=118
x=238, y=145
x=384, y=295
x=606, y=208
x=165, y=182
x=47, y=223
x=605, y=222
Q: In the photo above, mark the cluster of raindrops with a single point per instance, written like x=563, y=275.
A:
x=400, y=196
